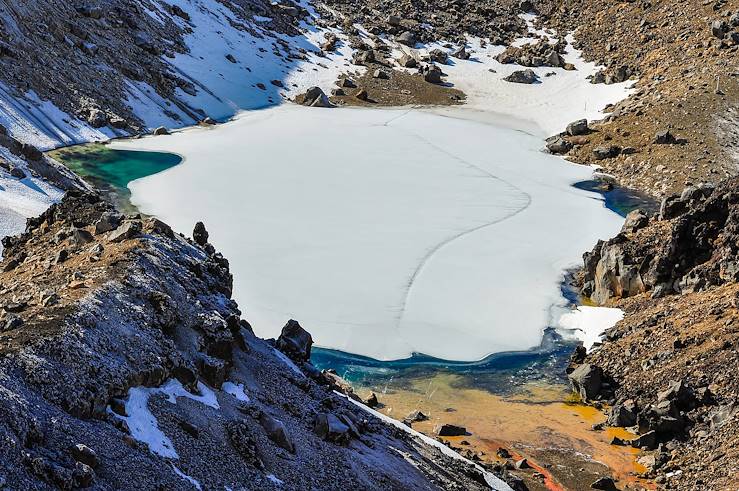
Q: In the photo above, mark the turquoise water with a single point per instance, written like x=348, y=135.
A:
x=111, y=170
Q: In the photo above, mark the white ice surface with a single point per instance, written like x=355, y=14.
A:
x=588, y=323
x=494, y=482
x=384, y=232
x=143, y=424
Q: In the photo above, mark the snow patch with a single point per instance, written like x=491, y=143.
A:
x=142, y=422
x=187, y=478
x=588, y=323
x=236, y=390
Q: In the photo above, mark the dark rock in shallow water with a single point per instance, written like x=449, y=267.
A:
x=586, y=380
x=451, y=430
x=605, y=484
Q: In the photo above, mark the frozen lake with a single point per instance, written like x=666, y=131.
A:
x=384, y=232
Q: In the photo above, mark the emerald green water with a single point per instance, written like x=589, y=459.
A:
x=111, y=170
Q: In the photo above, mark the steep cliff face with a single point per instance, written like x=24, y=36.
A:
x=664, y=369
x=122, y=354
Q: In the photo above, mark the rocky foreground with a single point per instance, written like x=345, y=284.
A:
x=122, y=354
x=667, y=368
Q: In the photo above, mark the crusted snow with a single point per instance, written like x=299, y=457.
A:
x=22, y=198
x=447, y=238
x=543, y=108
x=493, y=481
x=143, y=424
x=236, y=390
x=588, y=323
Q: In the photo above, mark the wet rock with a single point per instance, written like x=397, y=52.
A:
x=587, y=381
x=295, y=341
x=522, y=77
x=451, y=430
x=605, y=484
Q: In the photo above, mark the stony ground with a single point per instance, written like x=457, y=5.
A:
x=95, y=304
x=666, y=369
x=688, y=83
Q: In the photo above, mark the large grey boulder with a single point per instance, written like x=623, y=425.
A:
x=407, y=38
x=527, y=76
x=314, y=97
x=579, y=127
x=587, y=381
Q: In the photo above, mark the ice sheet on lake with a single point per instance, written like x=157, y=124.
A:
x=383, y=232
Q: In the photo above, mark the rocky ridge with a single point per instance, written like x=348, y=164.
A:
x=665, y=369
x=101, y=309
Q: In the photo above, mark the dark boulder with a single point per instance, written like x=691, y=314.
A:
x=451, y=430
x=295, y=341
x=522, y=77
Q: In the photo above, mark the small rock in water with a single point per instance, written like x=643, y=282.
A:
x=372, y=401
x=451, y=430
x=605, y=484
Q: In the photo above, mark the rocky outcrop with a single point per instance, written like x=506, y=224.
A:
x=690, y=247
x=674, y=274
x=127, y=356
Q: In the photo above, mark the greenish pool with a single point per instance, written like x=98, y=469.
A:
x=111, y=170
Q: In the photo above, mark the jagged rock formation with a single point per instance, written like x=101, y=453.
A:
x=665, y=366
x=122, y=354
